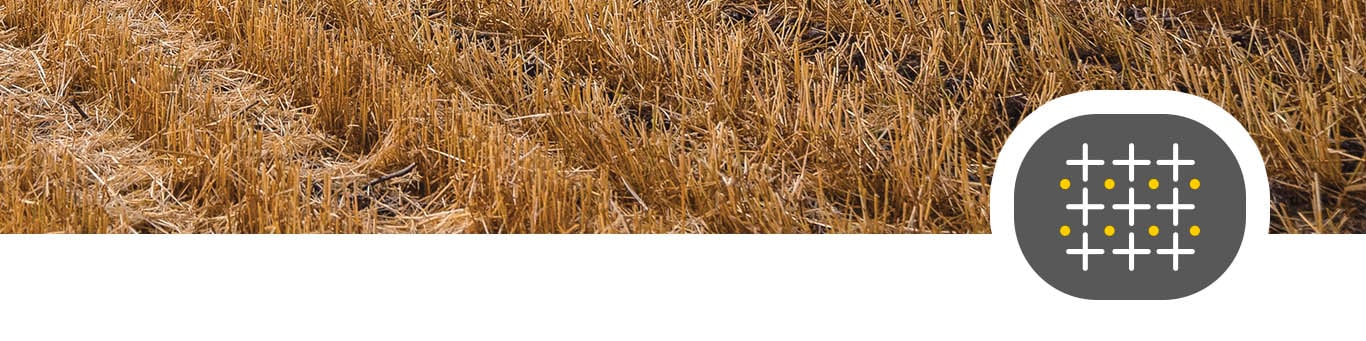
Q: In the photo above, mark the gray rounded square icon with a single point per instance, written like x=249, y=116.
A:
x=1131, y=203
x=1129, y=206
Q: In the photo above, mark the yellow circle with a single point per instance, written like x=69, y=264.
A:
x=1152, y=183
x=1065, y=230
x=1109, y=230
x=1152, y=230
x=1195, y=183
x=1065, y=184
x=1195, y=230
x=1109, y=183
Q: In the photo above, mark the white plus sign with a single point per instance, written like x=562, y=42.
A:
x=1131, y=206
x=1176, y=251
x=1176, y=207
x=1176, y=163
x=1085, y=251
x=1131, y=162
x=1131, y=251
x=1086, y=162
x=1085, y=207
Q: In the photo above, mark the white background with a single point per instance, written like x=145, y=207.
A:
x=445, y=287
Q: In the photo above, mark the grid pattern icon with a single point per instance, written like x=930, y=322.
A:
x=1129, y=206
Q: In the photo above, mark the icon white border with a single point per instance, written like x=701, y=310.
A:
x=1130, y=102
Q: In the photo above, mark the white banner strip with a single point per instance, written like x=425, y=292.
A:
x=848, y=287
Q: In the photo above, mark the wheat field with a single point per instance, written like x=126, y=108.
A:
x=618, y=116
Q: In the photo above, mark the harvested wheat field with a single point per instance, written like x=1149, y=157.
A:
x=615, y=116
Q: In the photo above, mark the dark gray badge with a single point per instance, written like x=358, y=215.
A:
x=1133, y=204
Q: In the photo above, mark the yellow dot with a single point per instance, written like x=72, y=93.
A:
x=1109, y=230
x=1195, y=230
x=1109, y=183
x=1152, y=230
x=1065, y=184
x=1152, y=183
x=1065, y=230
x=1195, y=183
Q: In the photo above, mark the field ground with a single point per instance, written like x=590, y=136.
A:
x=839, y=116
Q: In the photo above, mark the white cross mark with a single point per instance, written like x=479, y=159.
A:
x=1086, y=162
x=1131, y=162
x=1176, y=251
x=1085, y=207
x=1176, y=163
x=1176, y=207
x=1131, y=206
x=1085, y=251
x=1131, y=251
